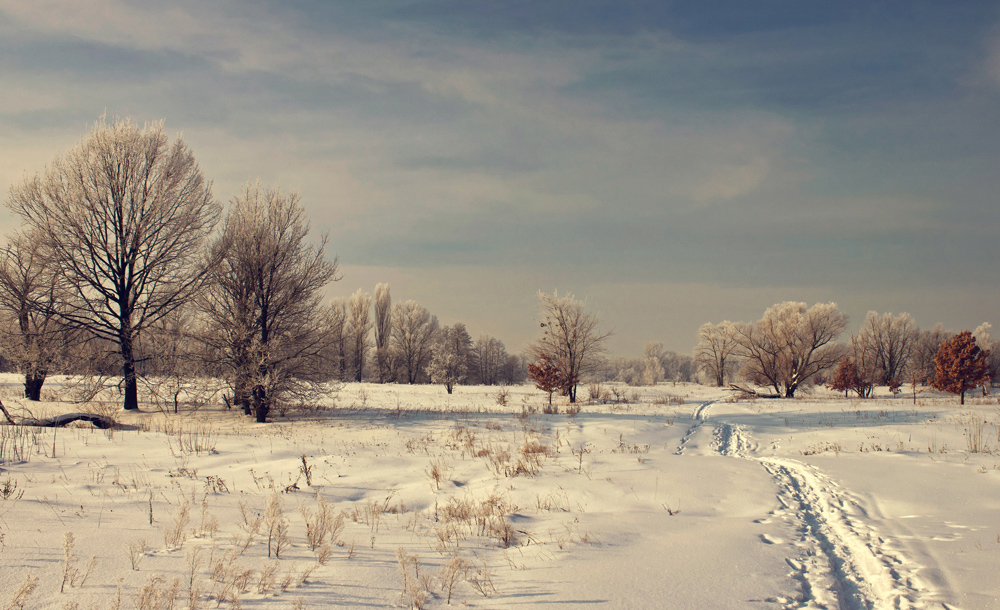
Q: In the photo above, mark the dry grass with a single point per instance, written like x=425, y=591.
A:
x=323, y=525
x=136, y=552
x=175, y=536
x=22, y=593
x=416, y=586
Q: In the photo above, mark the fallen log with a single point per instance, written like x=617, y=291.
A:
x=101, y=421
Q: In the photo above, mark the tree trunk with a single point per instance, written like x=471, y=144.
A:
x=260, y=403
x=241, y=397
x=128, y=370
x=33, y=385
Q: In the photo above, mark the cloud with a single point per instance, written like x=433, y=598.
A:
x=785, y=146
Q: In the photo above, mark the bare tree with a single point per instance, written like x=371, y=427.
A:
x=922, y=359
x=790, y=344
x=865, y=363
x=892, y=340
x=359, y=332
x=716, y=350
x=489, y=356
x=514, y=370
x=338, y=338
x=677, y=367
x=383, y=332
x=125, y=215
x=264, y=300
x=414, y=330
x=570, y=338
x=30, y=294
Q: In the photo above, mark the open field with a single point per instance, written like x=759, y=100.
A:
x=403, y=496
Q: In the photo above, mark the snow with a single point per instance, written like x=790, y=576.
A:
x=817, y=502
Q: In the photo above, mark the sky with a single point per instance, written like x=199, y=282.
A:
x=670, y=163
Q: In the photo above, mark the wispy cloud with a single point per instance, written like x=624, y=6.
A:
x=779, y=144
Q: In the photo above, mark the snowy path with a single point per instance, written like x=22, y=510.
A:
x=843, y=563
x=700, y=415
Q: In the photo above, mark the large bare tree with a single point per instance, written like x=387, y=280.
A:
x=124, y=214
x=265, y=297
x=790, y=344
x=570, y=338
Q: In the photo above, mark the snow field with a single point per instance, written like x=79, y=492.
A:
x=818, y=502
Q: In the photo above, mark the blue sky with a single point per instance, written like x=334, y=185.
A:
x=670, y=162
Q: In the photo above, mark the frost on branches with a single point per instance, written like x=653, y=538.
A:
x=790, y=344
x=570, y=338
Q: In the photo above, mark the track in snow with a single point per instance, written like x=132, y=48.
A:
x=845, y=564
x=700, y=415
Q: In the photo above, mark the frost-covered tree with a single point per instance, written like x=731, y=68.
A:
x=961, y=365
x=653, y=366
x=790, y=344
x=31, y=294
x=892, y=340
x=359, y=332
x=716, y=350
x=125, y=215
x=383, y=332
x=264, y=299
x=414, y=331
x=987, y=343
x=450, y=363
x=570, y=338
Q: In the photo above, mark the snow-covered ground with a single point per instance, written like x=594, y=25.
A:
x=818, y=502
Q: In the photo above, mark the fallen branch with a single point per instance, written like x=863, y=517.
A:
x=6, y=414
x=749, y=393
x=101, y=421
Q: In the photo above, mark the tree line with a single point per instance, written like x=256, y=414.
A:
x=793, y=346
x=125, y=262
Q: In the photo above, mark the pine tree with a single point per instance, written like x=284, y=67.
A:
x=961, y=365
